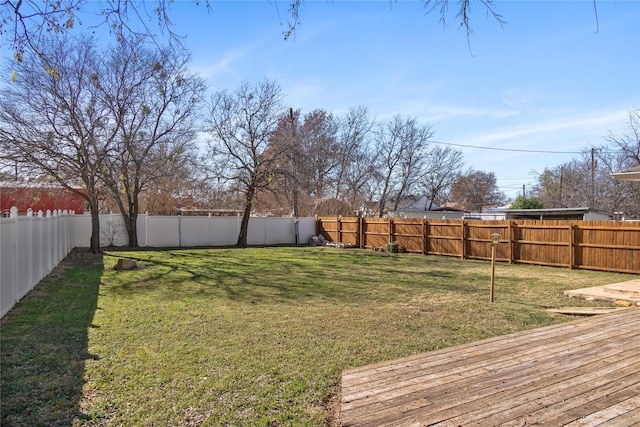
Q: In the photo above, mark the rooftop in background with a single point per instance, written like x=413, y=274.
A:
x=631, y=174
x=587, y=214
x=26, y=196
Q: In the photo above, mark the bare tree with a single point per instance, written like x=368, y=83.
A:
x=628, y=156
x=52, y=121
x=240, y=125
x=476, y=190
x=413, y=159
x=282, y=196
x=154, y=100
x=400, y=152
x=26, y=21
x=629, y=142
x=551, y=188
x=354, y=131
x=442, y=169
x=355, y=159
x=586, y=181
x=317, y=161
x=462, y=13
x=333, y=163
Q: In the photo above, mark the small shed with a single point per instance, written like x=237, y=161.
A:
x=586, y=214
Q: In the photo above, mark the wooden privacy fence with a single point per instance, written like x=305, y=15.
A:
x=591, y=245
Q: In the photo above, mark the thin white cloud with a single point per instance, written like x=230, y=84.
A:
x=444, y=111
x=302, y=90
x=594, y=122
x=525, y=98
x=212, y=68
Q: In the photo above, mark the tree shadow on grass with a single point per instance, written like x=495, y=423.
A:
x=310, y=275
x=45, y=345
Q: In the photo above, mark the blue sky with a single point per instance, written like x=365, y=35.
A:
x=555, y=77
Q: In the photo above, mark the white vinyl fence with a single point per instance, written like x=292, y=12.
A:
x=32, y=245
x=194, y=231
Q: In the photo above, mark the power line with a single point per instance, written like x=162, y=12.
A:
x=507, y=149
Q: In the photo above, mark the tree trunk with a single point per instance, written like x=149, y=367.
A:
x=94, y=245
x=383, y=197
x=244, y=225
x=132, y=230
x=132, y=225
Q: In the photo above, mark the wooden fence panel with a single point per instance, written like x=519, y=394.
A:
x=350, y=231
x=327, y=228
x=409, y=234
x=478, y=239
x=445, y=238
x=542, y=242
x=377, y=232
x=601, y=245
x=594, y=245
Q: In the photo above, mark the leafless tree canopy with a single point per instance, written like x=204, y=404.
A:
x=586, y=180
x=443, y=168
x=240, y=125
x=52, y=120
x=351, y=165
x=102, y=121
x=401, y=152
x=25, y=22
x=154, y=101
x=462, y=13
x=476, y=190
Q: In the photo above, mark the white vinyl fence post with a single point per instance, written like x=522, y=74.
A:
x=14, y=294
x=30, y=250
x=209, y=226
x=48, y=234
x=40, y=243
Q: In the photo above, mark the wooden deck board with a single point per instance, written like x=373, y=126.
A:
x=580, y=372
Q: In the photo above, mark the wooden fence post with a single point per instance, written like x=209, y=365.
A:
x=464, y=240
x=571, y=246
x=424, y=236
x=391, y=231
x=339, y=229
x=510, y=231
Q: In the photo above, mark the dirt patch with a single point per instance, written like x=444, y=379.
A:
x=333, y=405
x=75, y=257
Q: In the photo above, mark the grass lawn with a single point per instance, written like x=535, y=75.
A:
x=244, y=337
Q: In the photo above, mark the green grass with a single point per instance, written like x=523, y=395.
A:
x=251, y=337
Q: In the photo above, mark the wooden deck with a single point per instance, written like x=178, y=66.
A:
x=581, y=373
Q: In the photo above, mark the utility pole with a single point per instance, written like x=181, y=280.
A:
x=593, y=177
x=561, y=183
x=295, y=177
x=524, y=195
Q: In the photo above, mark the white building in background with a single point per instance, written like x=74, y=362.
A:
x=586, y=214
x=426, y=208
